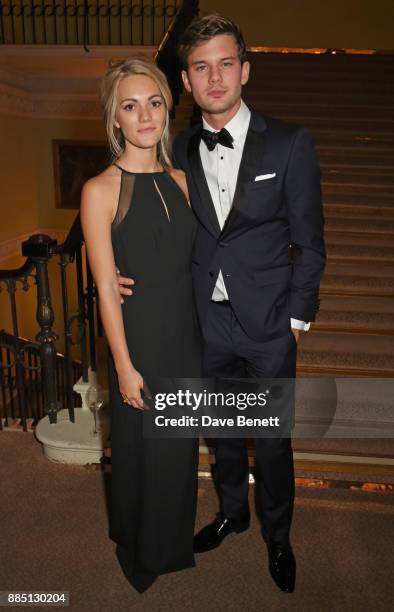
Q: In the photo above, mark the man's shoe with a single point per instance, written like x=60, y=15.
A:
x=282, y=565
x=213, y=535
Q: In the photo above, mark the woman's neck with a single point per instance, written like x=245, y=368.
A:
x=140, y=160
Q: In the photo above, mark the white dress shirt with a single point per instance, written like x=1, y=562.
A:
x=221, y=171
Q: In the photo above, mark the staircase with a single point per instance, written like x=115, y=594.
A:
x=348, y=103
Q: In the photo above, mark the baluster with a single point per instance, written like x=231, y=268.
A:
x=12, y=11
x=81, y=317
x=2, y=384
x=10, y=384
x=44, y=22
x=65, y=25
x=67, y=337
x=142, y=23
x=38, y=248
x=32, y=397
x=2, y=37
x=20, y=382
x=109, y=22
x=90, y=309
x=33, y=20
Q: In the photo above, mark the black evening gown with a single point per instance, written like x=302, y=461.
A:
x=154, y=481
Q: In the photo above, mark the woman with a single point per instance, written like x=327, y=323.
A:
x=136, y=217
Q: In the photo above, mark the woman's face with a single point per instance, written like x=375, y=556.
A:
x=141, y=111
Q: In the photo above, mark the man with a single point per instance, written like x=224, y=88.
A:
x=254, y=184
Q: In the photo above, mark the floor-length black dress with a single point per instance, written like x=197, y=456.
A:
x=154, y=481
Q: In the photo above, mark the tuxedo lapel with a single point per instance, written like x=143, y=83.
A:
x=251, y=162
x=206, y=210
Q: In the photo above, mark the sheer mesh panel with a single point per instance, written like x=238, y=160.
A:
x=125, y=196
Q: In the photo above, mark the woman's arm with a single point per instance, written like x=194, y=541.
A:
x=97, y=212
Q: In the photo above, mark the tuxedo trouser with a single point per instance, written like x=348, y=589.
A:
x=230, y=352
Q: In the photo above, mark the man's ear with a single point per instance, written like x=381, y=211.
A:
x=245, y=70
x=186, y=81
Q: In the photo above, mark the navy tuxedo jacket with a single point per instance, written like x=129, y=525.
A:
x=271, y=249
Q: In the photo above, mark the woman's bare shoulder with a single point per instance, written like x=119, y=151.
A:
x=102, y=188
x=102, y=184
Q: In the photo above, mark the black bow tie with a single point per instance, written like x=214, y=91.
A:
x=211, y=139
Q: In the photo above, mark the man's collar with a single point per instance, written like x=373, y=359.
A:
x=237, y=125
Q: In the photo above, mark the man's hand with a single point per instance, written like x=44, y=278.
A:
x=296, y=333
x=124, y=285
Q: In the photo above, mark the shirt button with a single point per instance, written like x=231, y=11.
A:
x=221, y=157
x=223, y=190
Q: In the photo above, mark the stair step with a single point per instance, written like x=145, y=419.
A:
x=348, y=210
x=356, y=196
x=364, y=126
x=357, y=225
x=349, y=279
x=354, y=158
x=333, y=112
x=361, y=125
x=349, y=66
x=360, y=181
x=337, y=284
x=362, y=315
x=332, y=303
x=360, y=239
x=345, y=208
x=351, y=163
x=349, y=354
x=282, y=75
x=360, y=253
x=279, y=95
x=355, y=322
x=335, y=140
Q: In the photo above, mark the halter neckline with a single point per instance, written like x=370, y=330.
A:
x=129, y=172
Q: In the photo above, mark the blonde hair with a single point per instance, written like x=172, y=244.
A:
x=109, y=86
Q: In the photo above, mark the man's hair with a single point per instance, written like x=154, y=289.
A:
x=204, y=29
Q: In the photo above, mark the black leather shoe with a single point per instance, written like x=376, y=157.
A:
x=282, y=565
x=213, y=535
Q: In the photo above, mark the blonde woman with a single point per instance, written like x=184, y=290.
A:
x=136, y=217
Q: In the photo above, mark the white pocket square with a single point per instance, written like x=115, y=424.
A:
x=264, y=177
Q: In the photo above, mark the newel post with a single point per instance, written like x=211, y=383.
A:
x=38, y=248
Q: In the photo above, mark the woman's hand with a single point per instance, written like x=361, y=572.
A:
x=130, y=386
x=123, y=281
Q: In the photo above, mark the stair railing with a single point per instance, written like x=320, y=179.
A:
x=166, y=55
x=85, y=22
x=34, y=377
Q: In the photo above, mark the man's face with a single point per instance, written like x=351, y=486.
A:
x=215, y=75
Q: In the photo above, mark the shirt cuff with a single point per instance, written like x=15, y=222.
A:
x=297, y=324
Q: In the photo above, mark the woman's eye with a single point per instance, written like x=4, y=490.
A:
x=156, y=103
x=128, y=107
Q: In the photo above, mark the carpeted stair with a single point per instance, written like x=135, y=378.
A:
x=347, y=101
